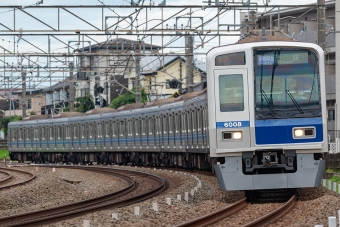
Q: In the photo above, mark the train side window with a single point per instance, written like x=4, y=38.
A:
x=82, y=131
x=231, y=93
x=28, y=134
x=238, y=58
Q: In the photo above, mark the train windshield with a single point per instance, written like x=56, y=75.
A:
x=287, y=84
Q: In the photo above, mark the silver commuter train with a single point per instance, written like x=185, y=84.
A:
x=265, y=130
x=171, y=132
x=267, y=114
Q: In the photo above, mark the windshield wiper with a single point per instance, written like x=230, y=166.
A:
x=294, y=101
x=268, y=101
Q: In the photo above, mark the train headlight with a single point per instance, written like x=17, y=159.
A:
x=303, y=133
x=237, y=135
x=298, y=132
x=232, y=135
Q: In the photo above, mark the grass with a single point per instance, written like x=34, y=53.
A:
x=4, y=153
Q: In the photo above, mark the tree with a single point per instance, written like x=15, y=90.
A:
x=6, y=120
x=127, y=98
x=84, y=104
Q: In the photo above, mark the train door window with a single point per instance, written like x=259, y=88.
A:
x=90, y=130
x=165, y=124
x=171, y=123
x=20, y=134
x=150, y=123
x=59, y=133
x=43, y=133
x=137, y=129
x=67, y=132
x=114, y=128
x=176, y=117
x=184, y=122
x=231, y=93
x=193, y=119
x=143, y=126
x=99, y=130
x=75, y=131
x=51, y=133
x=107, y=129
x=122, y=128
x=189, y=122
x=14, y=134
x=28, y=133
x=82, y=131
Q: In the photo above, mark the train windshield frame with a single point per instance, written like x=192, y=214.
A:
x=287, y=83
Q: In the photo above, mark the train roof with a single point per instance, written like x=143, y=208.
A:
x=67, y=114
x=261, y=39
x=258, y=39
x=131, y=106
x=35, y=117
x=101, y=111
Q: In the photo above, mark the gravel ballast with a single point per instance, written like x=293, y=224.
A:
x=50, y=189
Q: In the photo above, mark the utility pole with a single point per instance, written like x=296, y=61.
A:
x=23, y=94
x=180, y=76
x=337, y=67
x=189, y=65
x=137, y=59
x=321, y=24
x=71, y=87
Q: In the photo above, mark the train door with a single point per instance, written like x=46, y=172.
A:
x=232, y=109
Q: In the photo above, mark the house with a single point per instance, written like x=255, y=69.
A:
x=104, y=71
x=161, y=77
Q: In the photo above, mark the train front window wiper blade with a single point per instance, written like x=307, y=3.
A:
x=294, y=101
x=268, y=101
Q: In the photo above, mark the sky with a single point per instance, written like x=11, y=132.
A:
x=69, y=22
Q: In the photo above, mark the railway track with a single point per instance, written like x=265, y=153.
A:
x=31, y=176
x=114, y=200
x=219, y=215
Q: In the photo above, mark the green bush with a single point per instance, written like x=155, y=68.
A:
x=127, y=98
x=3, y=154
x=5, y=121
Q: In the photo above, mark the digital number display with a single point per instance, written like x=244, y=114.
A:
x=282, y=59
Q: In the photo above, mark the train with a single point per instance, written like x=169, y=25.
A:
x=259, y=124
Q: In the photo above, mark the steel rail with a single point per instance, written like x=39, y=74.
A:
x=32, y=176
x=214, y=217
x=60, y=213
x=9, y=176
x=274, y=215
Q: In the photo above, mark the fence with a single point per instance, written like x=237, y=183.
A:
x=3, y=144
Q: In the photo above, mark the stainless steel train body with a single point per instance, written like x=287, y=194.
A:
x=267, y=114
x=266, y=126
x=173, y=134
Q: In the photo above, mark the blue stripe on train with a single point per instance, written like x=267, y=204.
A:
x=280, y=131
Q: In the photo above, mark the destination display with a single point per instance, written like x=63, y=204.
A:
x=282, y=58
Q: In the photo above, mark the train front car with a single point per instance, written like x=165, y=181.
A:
x=267, y=114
